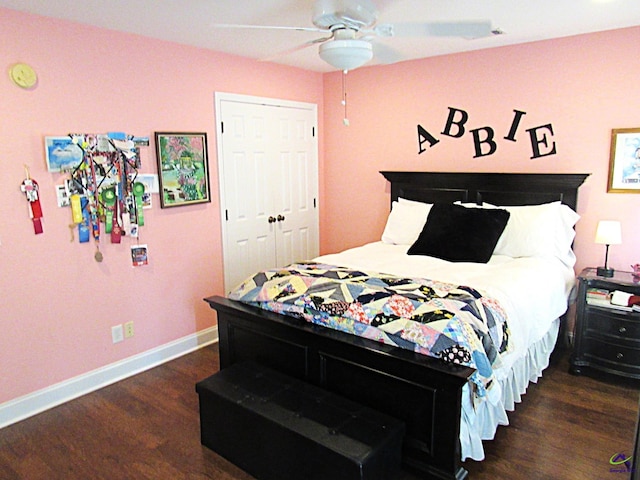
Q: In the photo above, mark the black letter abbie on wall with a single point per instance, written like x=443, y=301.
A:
x=536, y=141
x=484, y=137
x=514, y=125
x=424, y=136
x=460, y=123
x=488, y=140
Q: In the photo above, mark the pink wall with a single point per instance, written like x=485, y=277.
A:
x=584, y=86
x=58, y=304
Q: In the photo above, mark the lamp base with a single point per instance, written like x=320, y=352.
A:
x=605, y=272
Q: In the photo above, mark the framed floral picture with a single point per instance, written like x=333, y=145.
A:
x=624, y=161
x=183, y=168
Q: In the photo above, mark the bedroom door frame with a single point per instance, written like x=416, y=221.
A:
x=298, y=233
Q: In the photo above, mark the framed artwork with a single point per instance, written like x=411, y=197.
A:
x=183, y=168
x=61, y=154
x=624, y=161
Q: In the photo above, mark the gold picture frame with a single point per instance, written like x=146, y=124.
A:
x=624, y=161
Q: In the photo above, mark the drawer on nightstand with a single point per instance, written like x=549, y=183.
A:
x=604, y=324
x=612, y=353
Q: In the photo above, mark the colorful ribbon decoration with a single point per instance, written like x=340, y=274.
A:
x=30, y=188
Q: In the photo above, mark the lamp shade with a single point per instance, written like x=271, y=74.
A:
x=608, y=232
x=346, y=54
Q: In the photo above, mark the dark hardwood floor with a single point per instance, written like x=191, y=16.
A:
x=147, y=427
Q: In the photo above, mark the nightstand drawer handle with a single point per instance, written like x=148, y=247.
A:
x=622, y=330
x=619, y=356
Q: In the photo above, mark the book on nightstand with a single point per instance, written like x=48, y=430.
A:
x=598, y=293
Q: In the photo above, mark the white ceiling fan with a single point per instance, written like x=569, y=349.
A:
x=350, y=28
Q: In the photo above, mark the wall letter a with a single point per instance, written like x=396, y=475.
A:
x=424, y=136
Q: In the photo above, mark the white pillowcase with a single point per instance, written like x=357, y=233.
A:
x=406, y=201
x=539, y=231
x=405, y=222
x=544, y=230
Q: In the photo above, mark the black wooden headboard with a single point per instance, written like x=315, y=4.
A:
x=496, y=188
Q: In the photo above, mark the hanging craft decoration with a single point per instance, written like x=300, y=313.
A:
x=138, y=194
x=30, y=188
x=104, y=190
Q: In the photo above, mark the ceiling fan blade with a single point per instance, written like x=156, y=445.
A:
x=384, y=54
x=470, y=30
x=269, y=27
x=296, y=48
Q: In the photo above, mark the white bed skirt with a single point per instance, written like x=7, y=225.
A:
x=481, y=422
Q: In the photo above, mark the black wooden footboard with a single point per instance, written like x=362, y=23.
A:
x=422, y=391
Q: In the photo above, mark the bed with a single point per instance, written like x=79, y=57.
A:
x=446, y=422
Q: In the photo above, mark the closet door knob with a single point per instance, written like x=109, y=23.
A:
x=280, y=218
x=271, y=219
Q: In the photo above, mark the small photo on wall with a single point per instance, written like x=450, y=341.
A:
x=61, y=154
x=62, y=196
x=150, y=182
x=139, y=255
x=624, y=161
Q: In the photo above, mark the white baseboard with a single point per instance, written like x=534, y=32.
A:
x=31, y=404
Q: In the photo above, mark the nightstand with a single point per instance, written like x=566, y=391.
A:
x=606, y=338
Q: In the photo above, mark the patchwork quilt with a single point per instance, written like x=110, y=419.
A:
x=452, y=322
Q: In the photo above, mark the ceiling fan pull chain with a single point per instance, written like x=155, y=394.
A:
x=345, y=120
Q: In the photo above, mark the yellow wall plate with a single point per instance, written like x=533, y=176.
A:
x=23, y=75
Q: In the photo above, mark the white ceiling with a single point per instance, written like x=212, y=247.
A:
x=192, y=22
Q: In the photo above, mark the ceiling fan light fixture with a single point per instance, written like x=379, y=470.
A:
x=346, y=54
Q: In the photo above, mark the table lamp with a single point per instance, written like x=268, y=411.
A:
x=608, y=233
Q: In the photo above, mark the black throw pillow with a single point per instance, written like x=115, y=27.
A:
x=459, y=234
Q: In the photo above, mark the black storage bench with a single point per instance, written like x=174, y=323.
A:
x=279, y=428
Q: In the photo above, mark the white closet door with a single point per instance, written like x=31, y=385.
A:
x=295, y=186
x=267, y=158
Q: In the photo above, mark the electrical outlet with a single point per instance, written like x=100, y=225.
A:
x=128, y=329
x=117, y=334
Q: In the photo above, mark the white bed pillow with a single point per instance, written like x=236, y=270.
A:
x=406, y=201
x=474, y=205
x=544, y=230
x=539, y=231
x=405, y=222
